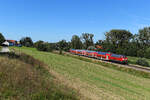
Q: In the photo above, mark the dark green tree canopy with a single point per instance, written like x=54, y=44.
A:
x=43, y=46
x=144, y=36
x=118, y=37
x=76, y=42
x=87, y=40
x=26, y=41
x=2, y=38
x=63, y=45
x=38, y=43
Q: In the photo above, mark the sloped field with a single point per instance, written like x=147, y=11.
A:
x=94, y=81
x=22, y=81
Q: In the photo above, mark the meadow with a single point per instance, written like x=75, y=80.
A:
x=24, y=78
x=133, y=60
x=94, y=81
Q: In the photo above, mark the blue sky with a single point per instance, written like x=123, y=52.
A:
x=53, y=20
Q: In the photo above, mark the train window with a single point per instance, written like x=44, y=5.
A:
x=115, y=55
x=102, y=53
x=124, y=56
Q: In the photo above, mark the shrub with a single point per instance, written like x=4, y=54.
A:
x=2, y=38
x=43, y=46
x=142, y=62
x=147, y=53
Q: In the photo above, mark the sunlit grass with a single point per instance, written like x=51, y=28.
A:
x=98, y=81
x=25, y=78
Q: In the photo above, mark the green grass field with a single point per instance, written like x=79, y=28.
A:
x=94, y=81
x=134, y=59
x=24, y=79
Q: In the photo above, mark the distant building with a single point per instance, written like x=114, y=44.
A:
x=5, y=47
x=14, y=43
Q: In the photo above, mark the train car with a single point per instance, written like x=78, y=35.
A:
x=119, y=58
x=72, y=51
x=91, y=53
x=101, y=55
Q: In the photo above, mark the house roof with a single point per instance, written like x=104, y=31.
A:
x=13, y=41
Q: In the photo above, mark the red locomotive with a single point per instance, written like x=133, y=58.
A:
x=101, y=55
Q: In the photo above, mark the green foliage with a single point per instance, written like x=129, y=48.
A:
x=144, y=36
x=142, y=62
x=147, y=53
x=43, y=46
x=76, y=42
x=63, y=45
x=26, y=41
x=2, y=38
x=109, y=80
x=87, y=40
x=119, y=38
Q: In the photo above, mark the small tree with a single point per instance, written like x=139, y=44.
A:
x=87, y=40
x=2, y=39
x=147, y=53
x=76, y=42
x=142, y=62
x=26, y=41
x=43, y=46
x=63, y=45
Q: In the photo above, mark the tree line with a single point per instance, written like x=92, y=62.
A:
x=116, y=41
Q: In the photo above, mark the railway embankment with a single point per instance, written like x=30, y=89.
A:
x=95, y=79
x=23, y=77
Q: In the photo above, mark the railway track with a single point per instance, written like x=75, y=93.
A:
x=136, y=67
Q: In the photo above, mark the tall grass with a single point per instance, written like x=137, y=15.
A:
x=24, y=78
x=97, y=81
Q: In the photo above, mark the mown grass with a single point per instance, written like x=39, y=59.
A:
x=95, y=81
x=24, y=78
x=133, y=60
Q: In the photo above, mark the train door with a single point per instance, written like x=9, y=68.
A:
x=107, y=56
x=92, y=54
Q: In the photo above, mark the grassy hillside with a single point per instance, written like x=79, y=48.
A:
x=134, y=59
x=95, y=81
x=22, y=81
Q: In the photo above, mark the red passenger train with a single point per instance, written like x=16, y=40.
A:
x=101, y=55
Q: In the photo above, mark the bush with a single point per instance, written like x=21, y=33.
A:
x=147, y=53
x=43, y=46
x=26, y=41
x=142, y=62
x=2, y=38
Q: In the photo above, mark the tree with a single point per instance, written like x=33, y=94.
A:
x=43, y=46
x=26, y=41
x=2, y=39
x=37, y=43
x=76, y=42
x=147, y=53
x=87, y=40
x=119, y=38
x=63, y=45
x=144, y=36
x=133, y=46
